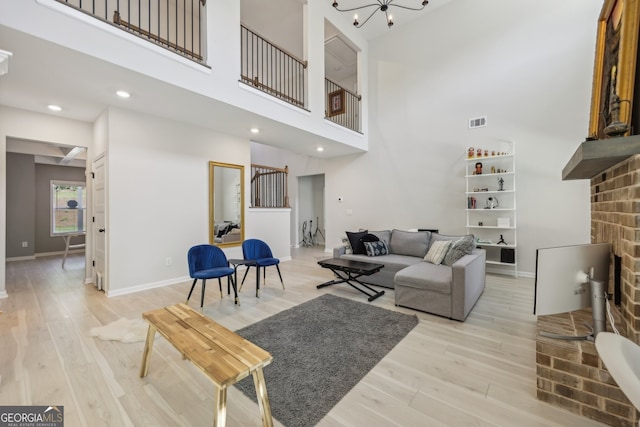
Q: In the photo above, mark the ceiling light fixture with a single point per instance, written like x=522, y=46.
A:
x=380, y=5
x=54, y=107
x=123, y=94
x=255, y=130
x=320, y=149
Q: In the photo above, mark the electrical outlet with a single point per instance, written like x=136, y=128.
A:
x=25, y=244
x=168, y=261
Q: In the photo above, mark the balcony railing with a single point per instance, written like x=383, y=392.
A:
x=172, y=24
x=342, y=106
x=271, y=69
x=269, y=188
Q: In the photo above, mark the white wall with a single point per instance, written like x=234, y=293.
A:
x=158, y=184
x=529, y=70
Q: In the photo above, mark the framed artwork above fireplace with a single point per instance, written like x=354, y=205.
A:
x=615, y=63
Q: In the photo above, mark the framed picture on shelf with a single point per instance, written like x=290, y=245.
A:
x=615, y=63
x=336, y=103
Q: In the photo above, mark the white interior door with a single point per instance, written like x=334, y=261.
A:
x=99, y=221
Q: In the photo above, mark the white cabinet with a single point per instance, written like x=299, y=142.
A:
x=491, y=204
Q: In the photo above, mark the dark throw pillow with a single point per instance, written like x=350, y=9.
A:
x=376, y=248
x=357, y=246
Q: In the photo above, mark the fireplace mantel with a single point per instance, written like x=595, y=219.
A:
x=595, y=156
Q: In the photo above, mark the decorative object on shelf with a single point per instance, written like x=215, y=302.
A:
x=508, y=255
x=500, y=184
x=501, y=241
x=492, y=203
x=504, y=222
x=615, y=127
x=478, y=169
x=471, y=153
x=379, y=5
x=478, y=152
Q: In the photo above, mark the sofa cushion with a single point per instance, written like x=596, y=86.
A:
x=354, y=240
x=384, y=235
x=437, y=251
x=376, y=248
x=409, y=243
x=459, y=248
x=427, y=276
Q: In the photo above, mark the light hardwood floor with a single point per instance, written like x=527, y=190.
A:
x=444, y=373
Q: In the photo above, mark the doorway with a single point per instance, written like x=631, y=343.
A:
x=32, y=213
x=311, y=211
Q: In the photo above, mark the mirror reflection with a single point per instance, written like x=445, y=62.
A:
x=226, y=204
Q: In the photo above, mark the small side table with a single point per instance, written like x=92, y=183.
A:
x=238, y=262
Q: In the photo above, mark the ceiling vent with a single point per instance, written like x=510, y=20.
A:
x=477, y=122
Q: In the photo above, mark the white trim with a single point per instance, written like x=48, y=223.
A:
x=21, y=258
x=146, y=286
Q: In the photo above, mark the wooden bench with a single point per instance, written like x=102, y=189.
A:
x=220, y=353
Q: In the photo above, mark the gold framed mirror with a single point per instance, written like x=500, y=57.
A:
x=226, y=204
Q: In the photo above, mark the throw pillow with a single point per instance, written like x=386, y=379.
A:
x=368, y=238
x=376, y=248
x=459, y=248
x=437, y=252
x=354, y=239
x=347, y=245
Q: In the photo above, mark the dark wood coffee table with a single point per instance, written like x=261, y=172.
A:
x=349, y=271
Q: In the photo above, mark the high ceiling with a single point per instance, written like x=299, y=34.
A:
x=41, y=73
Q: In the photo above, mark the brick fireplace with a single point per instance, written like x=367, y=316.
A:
x=570, y=373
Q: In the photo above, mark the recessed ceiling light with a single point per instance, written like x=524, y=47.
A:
x=255, y=130
x=320, y=149
x=54, y=107
x=123, y=94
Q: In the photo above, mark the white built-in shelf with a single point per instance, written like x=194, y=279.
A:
x=497, y=172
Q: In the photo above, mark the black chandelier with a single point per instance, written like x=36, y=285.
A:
x=380, y=5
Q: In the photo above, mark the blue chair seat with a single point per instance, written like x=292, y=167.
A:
x=213, y=273
x=209, y=262
x=265, y=262
x=258, y=254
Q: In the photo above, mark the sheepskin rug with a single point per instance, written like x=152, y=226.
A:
x=123, y=330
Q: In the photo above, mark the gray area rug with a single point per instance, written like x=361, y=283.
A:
x=321, y=349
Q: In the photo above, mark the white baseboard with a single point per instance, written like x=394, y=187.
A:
x=146, y=286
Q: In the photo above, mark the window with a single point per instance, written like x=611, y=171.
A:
x=68, y=207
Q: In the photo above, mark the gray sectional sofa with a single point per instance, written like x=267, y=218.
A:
x=448, y=288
